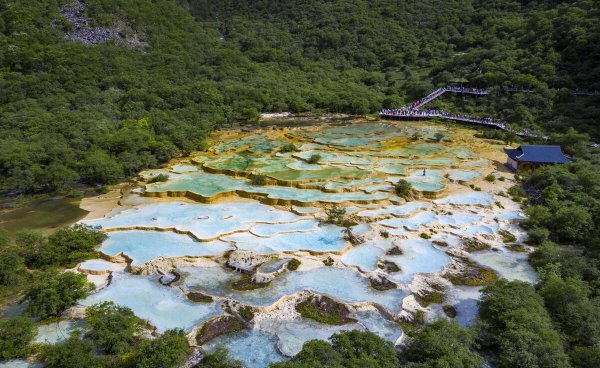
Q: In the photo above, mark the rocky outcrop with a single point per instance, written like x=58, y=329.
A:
x=216, y=327
x=84, y=32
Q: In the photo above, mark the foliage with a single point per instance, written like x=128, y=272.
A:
x=169, y=350
x=258, y=179
x=293, y=264
x=289, y=147
x=347, y=349
x=325, y=310
x=73, y=352
x=63, y=248
x=15, y=336
x=314, y=158
x=490, y=178
x=160, y=178
x=336, y=215
x=219, y=359
x=12, y=268
x=516, y=326
x=403, y=189
x=112, y=327
x=52, y=292
x=441, y=344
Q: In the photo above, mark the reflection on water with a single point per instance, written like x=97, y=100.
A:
x=42, y=215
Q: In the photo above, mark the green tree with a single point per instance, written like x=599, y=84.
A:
x=347, y=349
x=442, y=344
x=113, y=328
x=219, y=359
x=51, y=292
x=15, y=336
x=516, y=326
x=73, y=352
x=403, y=189
x=169, y=350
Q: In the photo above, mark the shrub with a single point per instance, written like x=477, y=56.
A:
x=336, y=215
x=293, y=264
x=403, y=189
x=258, y=179
x=289, y=147
x=15, y=336
x=219, y=359
x=537, y=235
x=169, y=350
x=490, y=178
x=425, y=236
x=112, y=327
x=73, y=352
x=160, y=178
x=52, y=293
x=314, y=158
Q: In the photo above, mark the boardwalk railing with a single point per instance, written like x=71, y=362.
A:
x=413, y=112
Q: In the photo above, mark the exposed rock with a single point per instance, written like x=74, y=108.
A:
x=247, y=261
x=216, y=327
x=379, y=282
x=169, y=278
x=388, y=266
x=82, y=31
x=394, y=251
x=449, y=310
x=325, y=310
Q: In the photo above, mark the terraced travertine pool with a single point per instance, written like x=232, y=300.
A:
x=244, y=225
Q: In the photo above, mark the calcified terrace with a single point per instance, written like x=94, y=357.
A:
x=214, y=242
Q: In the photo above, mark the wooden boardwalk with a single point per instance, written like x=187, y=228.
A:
x=414, y=112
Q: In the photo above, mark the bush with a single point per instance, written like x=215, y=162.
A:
x=73, y=352
x=12, y=268
x=169, y=350
x=537, y=235
x=258, y=179
x=515, y=325
x=441, y=344
x=160, y=178
x=289, y=147
x=336, y=215
x=52, y=293
x=403, y=189
x=112, y=327
x=15, y=336
x=314, y=158
x=64, y=248
x=219, y=359
x=490, y=178
x=347, y=349
x=293, y=264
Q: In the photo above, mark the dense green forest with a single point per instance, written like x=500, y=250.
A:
x=96, y=114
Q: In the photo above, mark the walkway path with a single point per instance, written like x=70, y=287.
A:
x=413, y=111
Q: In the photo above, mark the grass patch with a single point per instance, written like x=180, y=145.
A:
x=325, y=310
x=474, y=245
x=516, y=248
x=160, y=178
x=507, y=236
x=247, y=313
x=245, y=283
x=430, y=297
x=328, y=262
x=382, y=284
x=425, y=236
x=199, y=297
x=440, y=243
x=474, y=276
x=388, y=266
x=293, y=264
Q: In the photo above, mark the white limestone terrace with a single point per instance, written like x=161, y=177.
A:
x=165, y=248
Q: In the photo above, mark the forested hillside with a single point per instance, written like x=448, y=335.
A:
x=98, y=113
